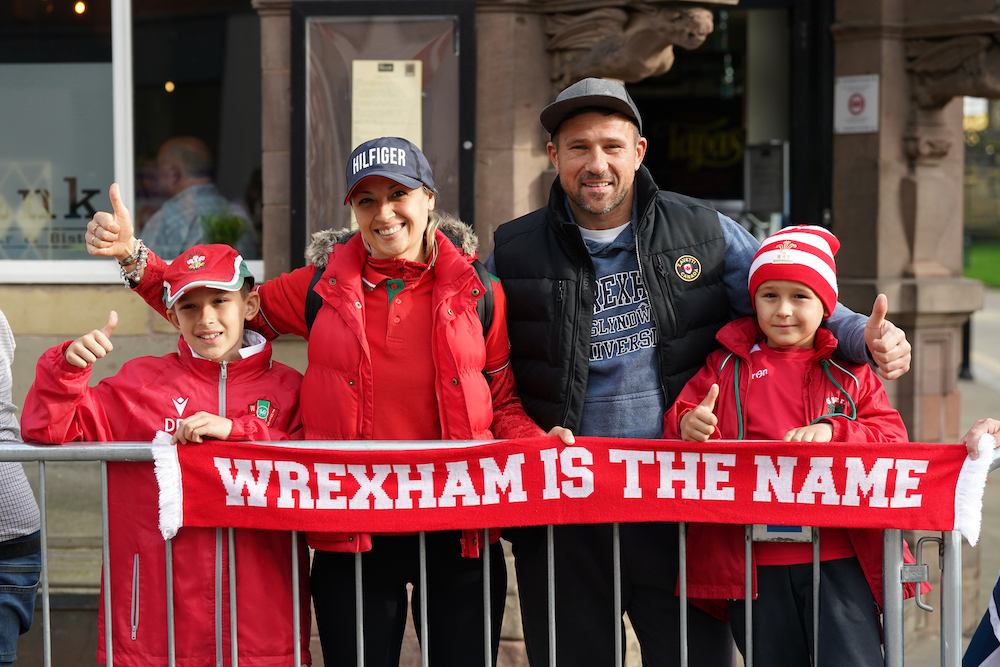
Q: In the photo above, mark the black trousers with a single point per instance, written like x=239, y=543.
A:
x=455, y=618
x=849, y=631
x=585, y=620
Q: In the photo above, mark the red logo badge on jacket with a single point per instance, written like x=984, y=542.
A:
x=263, y=409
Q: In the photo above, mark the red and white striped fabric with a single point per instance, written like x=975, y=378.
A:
x=803, y=253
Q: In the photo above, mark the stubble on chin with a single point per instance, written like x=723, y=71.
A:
x=600, y=206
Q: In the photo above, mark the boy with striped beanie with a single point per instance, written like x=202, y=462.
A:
x=775, y=379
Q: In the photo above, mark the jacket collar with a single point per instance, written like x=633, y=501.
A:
x=347, y=261
x=257, y=361
x=739, y=337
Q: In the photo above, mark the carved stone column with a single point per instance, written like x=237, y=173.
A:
x=276, y=123
x=529, y=50
x=898, y=193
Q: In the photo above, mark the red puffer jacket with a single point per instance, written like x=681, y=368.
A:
x=716, y=562
x=337, y=400
x=150, y=394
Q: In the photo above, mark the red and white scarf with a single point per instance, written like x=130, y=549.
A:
x=386, y=487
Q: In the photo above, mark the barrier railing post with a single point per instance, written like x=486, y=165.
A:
x=487, y=599
x=550, y=555
x=748, y=592
x=815, y=589
x=951, y=600
x=171, y=637
x=46, y=609
x=616, y=581
x=359, y=611
x=683, y=583
x=234, y=648
x=425, y=660
x=218, y=598
x=892, y=596
x=106, y=565
x=296, y=602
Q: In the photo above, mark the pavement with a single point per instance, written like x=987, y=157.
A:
x=980, y=399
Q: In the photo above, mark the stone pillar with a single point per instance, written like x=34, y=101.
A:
x=511, y=90
x=897, y=209
x=276, y=122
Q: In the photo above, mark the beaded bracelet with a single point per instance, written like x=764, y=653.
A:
x=131, y=278
x=137, y=245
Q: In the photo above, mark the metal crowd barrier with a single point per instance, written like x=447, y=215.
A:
x=895, y=574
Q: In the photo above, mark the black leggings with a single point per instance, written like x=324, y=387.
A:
x=454, y=601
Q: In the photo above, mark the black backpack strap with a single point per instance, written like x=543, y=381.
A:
x=313, y=300
x=484, y=307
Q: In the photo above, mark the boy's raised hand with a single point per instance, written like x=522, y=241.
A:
x=699, y=424
x=821, y=432
x=202, y=425
x=88, y=348
x=111, y=234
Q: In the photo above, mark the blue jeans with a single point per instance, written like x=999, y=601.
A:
x=18, y=583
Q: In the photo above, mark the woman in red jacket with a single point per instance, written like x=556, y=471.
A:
x=396, y=352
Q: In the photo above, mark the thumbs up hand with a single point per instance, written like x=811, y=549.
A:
x=699, y=424
x=111, y=234
x=88, y=348
x=887, y=342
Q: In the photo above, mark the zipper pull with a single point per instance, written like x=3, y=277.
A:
x=659, y=265
x=562, y=290
x=223, y=370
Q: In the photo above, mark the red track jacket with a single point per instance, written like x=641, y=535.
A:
x=716, y=551
x=150, y=394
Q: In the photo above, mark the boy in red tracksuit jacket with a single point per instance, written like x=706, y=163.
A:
x=220, y=384
x=775, y=378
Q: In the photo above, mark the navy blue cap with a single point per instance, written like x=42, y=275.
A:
x=390, y=157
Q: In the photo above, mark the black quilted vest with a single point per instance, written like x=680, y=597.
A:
x=549, y=280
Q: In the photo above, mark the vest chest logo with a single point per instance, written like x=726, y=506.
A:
x=687, y=268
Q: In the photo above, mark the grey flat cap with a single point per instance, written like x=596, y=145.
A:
x=590, y=92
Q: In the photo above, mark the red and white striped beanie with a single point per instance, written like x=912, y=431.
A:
x=803, y=253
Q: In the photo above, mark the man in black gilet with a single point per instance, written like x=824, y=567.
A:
x=615, y=292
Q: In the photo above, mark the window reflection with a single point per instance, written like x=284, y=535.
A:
x=196, y=66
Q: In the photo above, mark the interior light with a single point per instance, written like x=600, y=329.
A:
x=79, y=8
x=169, y=86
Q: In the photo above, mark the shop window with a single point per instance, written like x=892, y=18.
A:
x=55, y=126
x=196, y=73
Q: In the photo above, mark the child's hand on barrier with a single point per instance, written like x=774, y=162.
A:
x=200, y=425
x=88, y=348
x=821, y=432
x=699, y=424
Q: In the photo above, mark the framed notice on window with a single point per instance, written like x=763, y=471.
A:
x=386, y=100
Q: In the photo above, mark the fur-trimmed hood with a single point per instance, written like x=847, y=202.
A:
x=322, y=244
